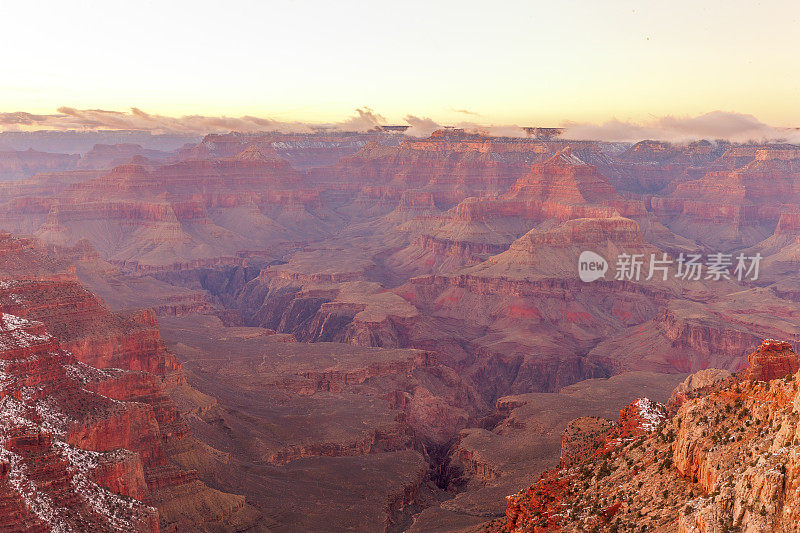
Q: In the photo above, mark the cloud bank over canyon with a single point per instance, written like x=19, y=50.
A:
x=736, y=127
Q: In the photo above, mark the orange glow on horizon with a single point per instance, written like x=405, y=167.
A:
x=520, y=62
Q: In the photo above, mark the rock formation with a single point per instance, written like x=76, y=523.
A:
x=112, y=418
x=24, y=164
x=724, y=459
x=67, y=463
x=377, y=326
x=772, y=360
x=738, y=207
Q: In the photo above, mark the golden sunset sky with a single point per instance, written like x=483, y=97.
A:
x=522, y=62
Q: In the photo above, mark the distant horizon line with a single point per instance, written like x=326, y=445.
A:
x=713, y=125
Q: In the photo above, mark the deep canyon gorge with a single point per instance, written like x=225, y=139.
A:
x=369, y=331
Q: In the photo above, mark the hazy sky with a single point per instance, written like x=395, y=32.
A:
x=524, y=62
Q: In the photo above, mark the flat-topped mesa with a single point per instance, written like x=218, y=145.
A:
x=786, y=153
x=772, y=360
x=619, y=230
x=23, y=164
x=386, y=172
x=105, y=156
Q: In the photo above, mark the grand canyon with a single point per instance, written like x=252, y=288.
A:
x=399, y=267
x=373, y=331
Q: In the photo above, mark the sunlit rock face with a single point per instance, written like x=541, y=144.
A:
x=723, y=456
x=773, y=360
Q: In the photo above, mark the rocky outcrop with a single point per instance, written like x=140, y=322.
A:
x=122, y=406
x=698, y=380
x=542, y=505
x=726, y=459
x=583, y=438
x=61, y=470
x=773, y=360
x=88, y=329
x=704, y=337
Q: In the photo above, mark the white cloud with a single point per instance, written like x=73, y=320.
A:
x=736, y=127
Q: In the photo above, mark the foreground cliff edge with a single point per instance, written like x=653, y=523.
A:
x=89, y=438
x=722, y=455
